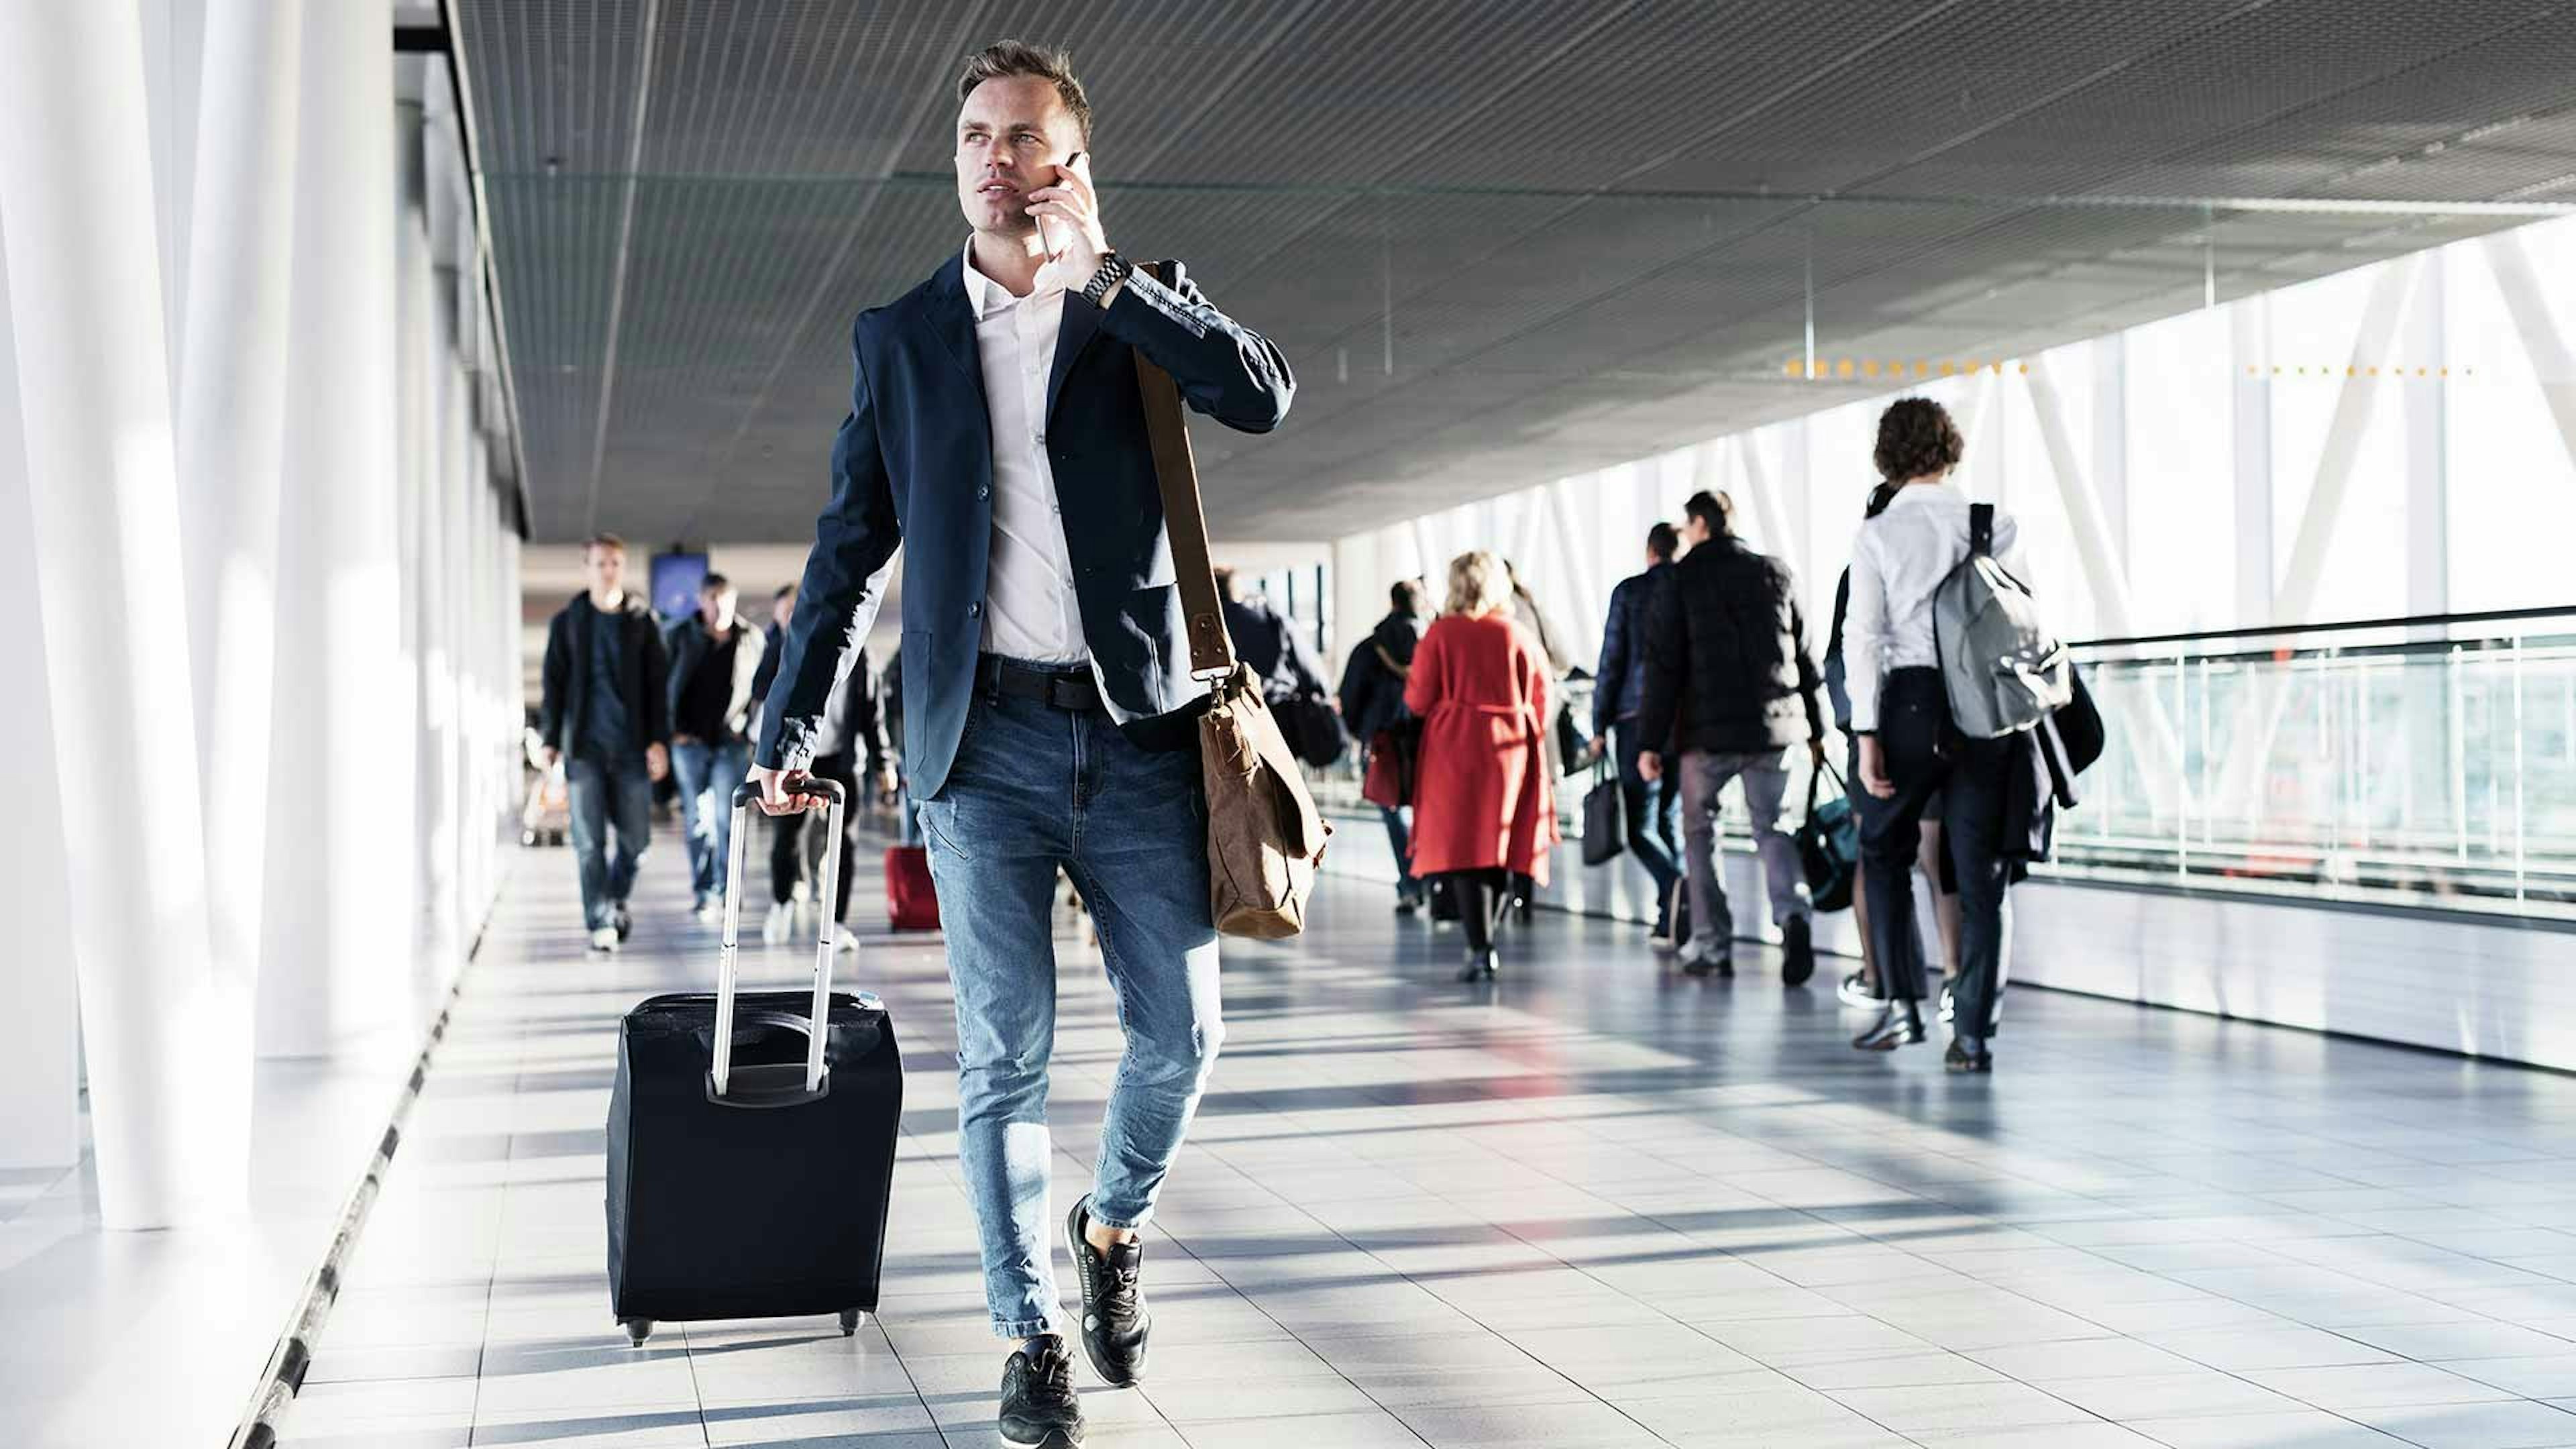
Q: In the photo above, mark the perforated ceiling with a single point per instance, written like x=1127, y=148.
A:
x=1501, y=241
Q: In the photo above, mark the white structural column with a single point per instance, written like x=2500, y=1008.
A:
x=340, y=883
x=2250, y=338
x=2428, y=492
x=2354, y=403
x=2110, y=475
x=232, y=421
x=39, y=1066
x=2094, y=543
x=2527, y=302
x=169, y=1081
x=419, y=341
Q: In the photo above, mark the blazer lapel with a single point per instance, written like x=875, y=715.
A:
x=1081, y=321
x=950, y=319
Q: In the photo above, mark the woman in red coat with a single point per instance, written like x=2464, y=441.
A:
x=1483, y=805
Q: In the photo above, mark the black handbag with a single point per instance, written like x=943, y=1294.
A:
x=1828, y=843
x=1313, y=731
x=1605, y=824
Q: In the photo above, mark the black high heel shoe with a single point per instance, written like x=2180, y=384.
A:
x=1479, y=967
x=1898, y=1026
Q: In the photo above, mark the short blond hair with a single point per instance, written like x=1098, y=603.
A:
x=1478, y=583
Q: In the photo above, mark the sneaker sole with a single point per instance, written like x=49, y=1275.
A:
x=1054, y=1439
x=1081, y=1253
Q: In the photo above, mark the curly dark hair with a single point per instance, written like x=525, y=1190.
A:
x=1916, y=439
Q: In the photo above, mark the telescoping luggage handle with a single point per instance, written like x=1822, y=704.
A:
x=818, y=1019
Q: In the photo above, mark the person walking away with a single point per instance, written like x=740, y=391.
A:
x=605, y=717
x=1049, y=711
x=1618, y=694
x=1484, y=807
x=1731, y=685
x=1861, y=988
x=1909, y=749
x=714, y=658
x=1372, y=699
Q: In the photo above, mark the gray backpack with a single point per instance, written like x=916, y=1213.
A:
x=2004, y=671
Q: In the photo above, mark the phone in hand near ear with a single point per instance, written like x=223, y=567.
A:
x=1050, y=230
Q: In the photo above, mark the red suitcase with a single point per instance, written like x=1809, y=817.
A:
x=910, y=898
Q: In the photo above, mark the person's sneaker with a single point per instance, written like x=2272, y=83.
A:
x=779, y=924
x=1114, y=1319
x=1705, y=961
x=625, y=921
x=707, y=907
x=1855, y=990
x=1039, y=1410
x=1797, y=943
x=842, y=940
x=1406, y=903
x=604, y=939
x=1949, y=1007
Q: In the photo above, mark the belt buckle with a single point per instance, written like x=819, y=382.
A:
x=1066, y=683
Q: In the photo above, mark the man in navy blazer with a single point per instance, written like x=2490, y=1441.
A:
x=995, y=429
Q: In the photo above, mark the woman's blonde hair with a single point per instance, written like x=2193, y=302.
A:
x=1478, y=583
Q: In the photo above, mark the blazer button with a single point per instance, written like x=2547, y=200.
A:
x=983, y=492
x=974, y=610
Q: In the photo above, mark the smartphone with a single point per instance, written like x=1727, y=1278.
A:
x=1050, y=230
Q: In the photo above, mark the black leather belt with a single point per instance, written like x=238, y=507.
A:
x=1072, y=689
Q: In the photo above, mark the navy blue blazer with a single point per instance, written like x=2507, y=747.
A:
x=913, y=465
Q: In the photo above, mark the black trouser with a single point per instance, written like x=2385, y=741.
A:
x=1923, y=754
x=786, y=848
x=1648, y=806
x=1480, y=900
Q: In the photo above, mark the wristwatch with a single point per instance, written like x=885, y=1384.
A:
x=1113, y=270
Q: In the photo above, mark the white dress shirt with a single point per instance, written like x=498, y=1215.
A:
x=1898, y=561
x=1030, y=610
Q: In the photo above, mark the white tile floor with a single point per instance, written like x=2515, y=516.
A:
x=1600, y=1205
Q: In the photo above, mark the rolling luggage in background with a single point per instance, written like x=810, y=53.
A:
x=911, y=900
x=750, y=1157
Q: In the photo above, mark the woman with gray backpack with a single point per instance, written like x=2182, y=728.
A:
x=1948, y=669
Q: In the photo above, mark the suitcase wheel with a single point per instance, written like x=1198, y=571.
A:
x=851, y=1318
x=637, y=1330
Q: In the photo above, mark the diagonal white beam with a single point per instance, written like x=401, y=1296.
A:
x=2527, y=302
x=2354, y=405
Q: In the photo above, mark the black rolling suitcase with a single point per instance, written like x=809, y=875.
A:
x=750, y=1158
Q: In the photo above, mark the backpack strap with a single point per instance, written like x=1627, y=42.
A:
x=1981, y=529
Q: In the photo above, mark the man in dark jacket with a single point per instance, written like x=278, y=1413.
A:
x=1731, y=686
x=1618, y=693
x=852, y=746
x=606, y=710
x=772, y=636
x=1372, y=698
x=994, y=435
x=715, y=656
x=1266, y=641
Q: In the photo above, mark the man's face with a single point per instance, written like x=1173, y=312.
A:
x=716, y=606
x=607, y=570
x=783, y=609
x=1694, y=530
x=1011, y=135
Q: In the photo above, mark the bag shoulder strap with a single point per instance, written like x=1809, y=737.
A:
x=1981, y=529
x=1183, y=515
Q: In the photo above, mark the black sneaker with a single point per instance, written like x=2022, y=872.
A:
x=1039, y=1410
x=1798, y=944
x=1114, y=1320
x=625, y=921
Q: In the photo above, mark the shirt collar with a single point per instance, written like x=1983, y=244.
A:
x=983, y=294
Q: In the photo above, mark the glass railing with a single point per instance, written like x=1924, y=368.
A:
x=2424, y=762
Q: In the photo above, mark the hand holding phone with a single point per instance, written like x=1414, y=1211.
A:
x=1052, y=234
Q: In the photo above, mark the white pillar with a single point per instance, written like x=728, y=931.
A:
x=2095, y=548
x=40, y=1032
x=232, y=420
x=169, y=1079
x=2354, y=403
x=339, y=882
x=2428, y=489
x=2250, y=332
x=2111, y=441
x=419, y=361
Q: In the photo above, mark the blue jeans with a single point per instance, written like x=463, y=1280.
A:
x=1399, y=835
x=1648, y=809
x=608, y=794
x=1035, y=788
x=707, y=774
